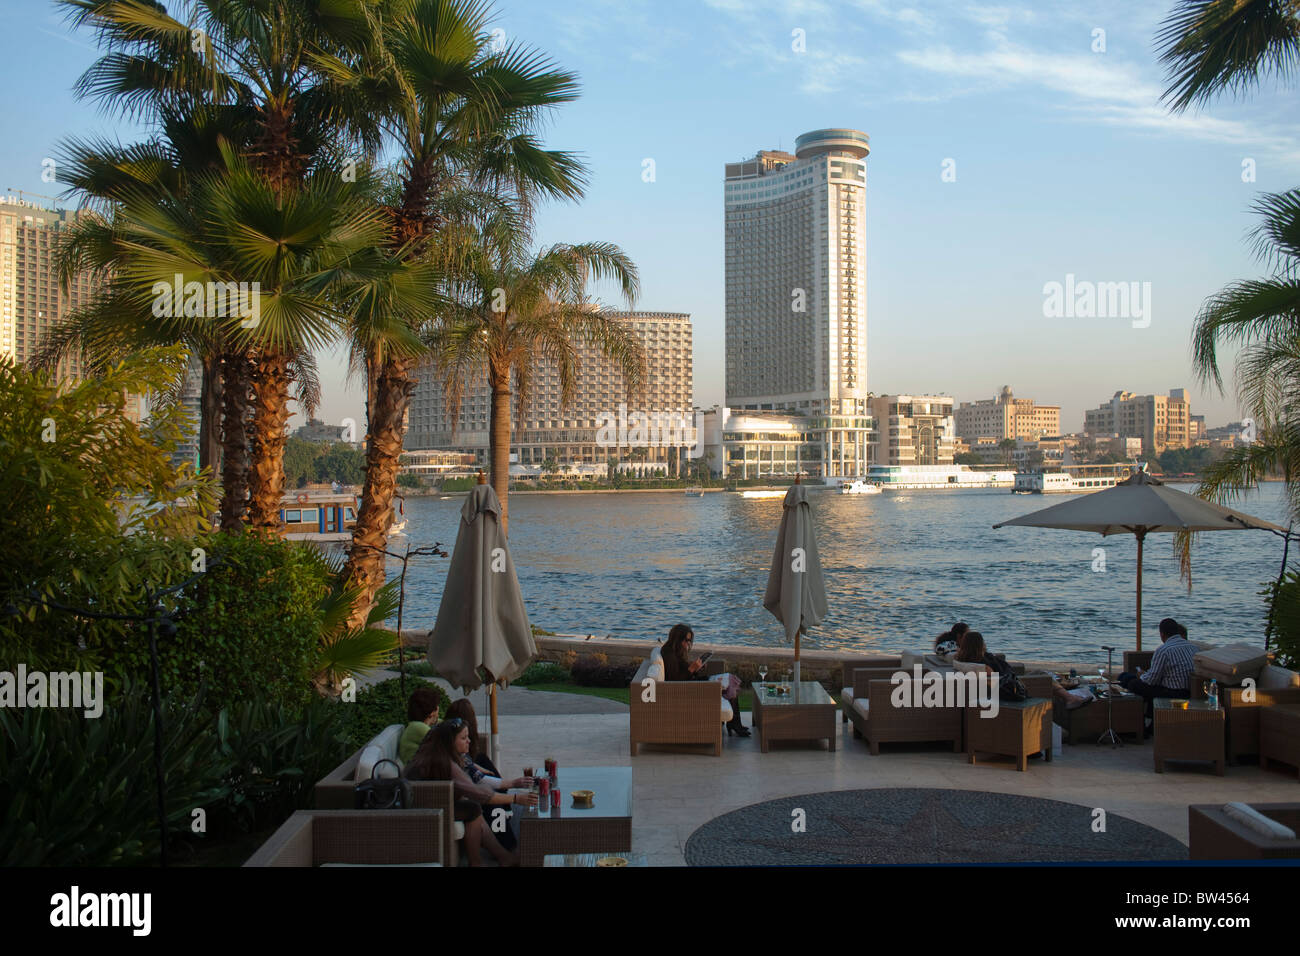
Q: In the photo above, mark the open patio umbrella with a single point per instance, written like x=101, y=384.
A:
x=796, y=592
x=1139, y=505
x=482, y=635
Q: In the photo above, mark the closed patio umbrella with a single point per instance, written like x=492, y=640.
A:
x=1139, y=505
x=482, y=635
x=796, y=592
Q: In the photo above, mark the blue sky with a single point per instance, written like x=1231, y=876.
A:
x=1065, y=161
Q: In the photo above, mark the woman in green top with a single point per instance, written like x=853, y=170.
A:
x=422, y=714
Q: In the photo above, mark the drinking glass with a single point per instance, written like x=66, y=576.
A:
x=762, y=673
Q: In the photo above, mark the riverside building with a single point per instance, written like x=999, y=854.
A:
x=1160, y=421
x=913, y=429
x=647, y=433
x=796, y=322
x=1006, y=417
x=32, y=300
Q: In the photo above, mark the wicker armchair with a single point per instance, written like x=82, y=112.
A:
x=1213, y=835
x=852, y=666
x=1242, y=716
x=683, y=712
x=337, y=791
x=878, y=721
x=355, y=837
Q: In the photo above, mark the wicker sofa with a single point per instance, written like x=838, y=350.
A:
x=680, y=713
x=876, y=720
x=1242, y=715
x=337, y=789
x=355, y=838
x=1213, y=835
x=853, y=664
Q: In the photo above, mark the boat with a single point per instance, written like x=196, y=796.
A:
x=325, y=519
x=859, y=487
x=1071, y=479
x=940, y=477
x=695, y=491
x=774, y=493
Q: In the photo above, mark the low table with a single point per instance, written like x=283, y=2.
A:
x=1021, y=728
x=593, y=859
x=1279, y=735
x=605, y=828
x=807, y=713
x=1086, y=724
x=1194, y=732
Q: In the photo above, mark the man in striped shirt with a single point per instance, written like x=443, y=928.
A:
x=1171, y=667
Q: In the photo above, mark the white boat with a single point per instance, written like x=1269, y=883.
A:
x=695, y=491
x=763, y=494
x=859, y=487
x=1072, y=479
x=937, y=477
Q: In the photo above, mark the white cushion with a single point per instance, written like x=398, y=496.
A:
x=1273, y=677
x=968, y=667
x=371, y=754
x=1231, y=664
x=862, y=705
x=1081, y=696
x=388, y=739
x=726, y=710
x=1252, y=819
x=656, y=669
x=847, y=695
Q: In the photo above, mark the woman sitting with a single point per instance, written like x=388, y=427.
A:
x=442, y=757
x=953, y=635
x=465, y=711
x=974, y=651
x=678, y=666
x=421, y=714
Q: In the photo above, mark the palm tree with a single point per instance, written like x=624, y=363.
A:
x=1212, y=46
x=463, y=115
x=515, y=311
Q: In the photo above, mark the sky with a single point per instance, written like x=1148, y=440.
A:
x=1012, y=146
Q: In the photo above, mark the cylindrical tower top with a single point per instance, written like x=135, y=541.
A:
x=821, y=141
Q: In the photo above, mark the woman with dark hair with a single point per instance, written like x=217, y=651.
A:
x=678, y=666
x=465, y=711
x=421, y=714
x=974, y=651
x=441, y=757
x=953, y=634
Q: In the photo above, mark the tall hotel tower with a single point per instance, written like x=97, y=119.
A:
x=796, y=293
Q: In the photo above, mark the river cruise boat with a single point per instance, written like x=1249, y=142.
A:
x=1073, y=479
x=937, y=477
x=324, y=518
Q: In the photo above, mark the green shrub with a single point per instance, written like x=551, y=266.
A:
x=382, y=704
x=1285, y=601
x=542, y=672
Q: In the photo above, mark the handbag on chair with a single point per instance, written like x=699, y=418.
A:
x=385, y=793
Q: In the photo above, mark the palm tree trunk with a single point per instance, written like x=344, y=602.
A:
x=210, y=413
x=234, y=440
x=390, y=397
x=499, y=438
x=271, y=380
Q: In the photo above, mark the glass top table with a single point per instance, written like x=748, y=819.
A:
x=604, y=828
x=806, y=713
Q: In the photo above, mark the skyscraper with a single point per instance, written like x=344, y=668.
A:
x=32, y=301
x=796, y=292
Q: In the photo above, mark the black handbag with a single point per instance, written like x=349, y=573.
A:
x=385, y=793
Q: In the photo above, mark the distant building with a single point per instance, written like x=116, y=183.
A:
x=1006, y=417
x=32, y=300
x=187, y=450
x=796, y=298
x=913, y=429
x=1160, y=421
x=1196, y=430
x=648, y=433
x=317, y=430
x=435, y=464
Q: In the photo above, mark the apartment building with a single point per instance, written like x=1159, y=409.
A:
x=1160, y=421
x=913, y=429
x=1006, y=416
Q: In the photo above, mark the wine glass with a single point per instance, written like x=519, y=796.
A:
x=762, y=673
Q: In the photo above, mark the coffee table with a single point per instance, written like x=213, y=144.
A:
x=807, y=713
x=1193, y=732
x=1020, y=728
x=603, y=828
x=1086, y=724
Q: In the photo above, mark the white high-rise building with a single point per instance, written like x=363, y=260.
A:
x=796, y=292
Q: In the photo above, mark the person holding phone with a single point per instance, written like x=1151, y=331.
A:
x=679, y=666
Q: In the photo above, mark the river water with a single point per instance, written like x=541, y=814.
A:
x=899, y=568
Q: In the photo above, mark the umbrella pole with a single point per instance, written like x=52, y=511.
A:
x=1141, y=535
x=492, y=709
x=797, y=635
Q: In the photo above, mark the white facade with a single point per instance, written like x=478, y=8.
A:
x=796, y=291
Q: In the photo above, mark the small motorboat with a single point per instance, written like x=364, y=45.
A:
x=859, y=487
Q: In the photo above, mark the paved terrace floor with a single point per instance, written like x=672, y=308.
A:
x=676, y=791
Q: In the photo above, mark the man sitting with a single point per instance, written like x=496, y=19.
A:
x=1171, y=667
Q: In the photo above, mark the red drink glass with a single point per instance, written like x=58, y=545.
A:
x=544, y=789
x=552, y=768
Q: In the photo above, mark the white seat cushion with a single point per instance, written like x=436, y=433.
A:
x=968, y=667
x=862, y=706
x=1231, y=664
x=1273, y=677
x=388, y=739
x=726, y=710
x=1251, y=818
x=656, y=669
x=458, y=830
x=370, y=755
x=847, y=695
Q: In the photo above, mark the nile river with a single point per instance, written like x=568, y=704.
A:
x=899, y=568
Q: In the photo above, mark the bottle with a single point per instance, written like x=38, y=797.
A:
x=1214, y=695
